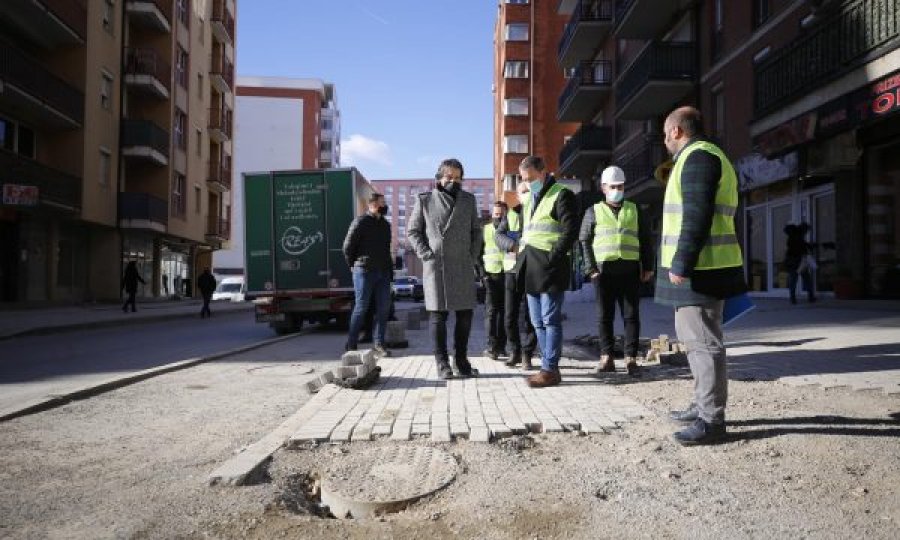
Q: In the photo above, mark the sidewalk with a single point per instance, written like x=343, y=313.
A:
x=23, y=322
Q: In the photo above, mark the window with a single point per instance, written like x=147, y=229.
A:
x=718, y=100
x=199, y=142
x=16, y=138
x=517, y=32
x=106, y=85
x=515, y=144
x=105, y=166
x=516, y=69
x=180, y=133
x=7, y=135
x=760, y=12
x=109, y=9
x=25, y=142
x=181, y=68
x=510, y=181
x=196, y=199
x=515, y=107
x=182, y=10
x=178, y=187
x=200, y=85
x=716, y=38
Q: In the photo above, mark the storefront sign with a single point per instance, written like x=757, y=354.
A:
x=755, y=170
x=18, y=195
x=872, y=102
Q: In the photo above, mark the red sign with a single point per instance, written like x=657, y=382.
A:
x=17, y=195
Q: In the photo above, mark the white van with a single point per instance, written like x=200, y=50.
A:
x=230, y=288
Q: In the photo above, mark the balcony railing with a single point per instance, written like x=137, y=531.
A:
x=220, y=172
x=164, y=7
x=585, y=11
x=148, y=62
x=586, y=75
x=19, y=70
x=660, y=61
x=640, y=164
x=218, y=227
x=220, y=122
x=223, y=70
x=55, y=188
x=223, y=20
x=590, y=141
x=836, y=45
x=143, y=207
x=73, y=13
x=143, y=133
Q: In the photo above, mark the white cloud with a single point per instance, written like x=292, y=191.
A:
x=359, y=148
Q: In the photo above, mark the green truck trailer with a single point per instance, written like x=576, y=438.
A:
x=294, y=228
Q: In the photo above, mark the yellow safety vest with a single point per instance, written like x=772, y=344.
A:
x=493, y=257
x=616, y=237
x=541, y=231
x=722, y=249
x=509, y=259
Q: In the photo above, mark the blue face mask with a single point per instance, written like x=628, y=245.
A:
x=615, y=196
x=536, y=186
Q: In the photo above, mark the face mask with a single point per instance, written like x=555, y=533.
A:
x=452, y=187
x=615, y=196
x=496, y=221
x=383, y=210
x=536, y=186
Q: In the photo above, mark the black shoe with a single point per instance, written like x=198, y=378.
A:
x=633, y=369
x=443, y=368
x=687, y=416
x=468, y=374
x=491, y=354
x=700, y=432
x=514, y=359
x=526, y=363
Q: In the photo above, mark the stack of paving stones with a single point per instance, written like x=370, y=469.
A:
x=359, y=369
x=654, y=350
x=410, y=401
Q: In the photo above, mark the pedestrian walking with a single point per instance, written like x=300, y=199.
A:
x=494, y=280
x=616, y=244
x=799, y=261
x=445, y=232
x=550, y=220
x=517, y=321
x=130, y=280
x=700, y=266
x=206, y=282
x=165, y=285
x=367, y=250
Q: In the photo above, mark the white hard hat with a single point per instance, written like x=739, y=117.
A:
x=612, y=176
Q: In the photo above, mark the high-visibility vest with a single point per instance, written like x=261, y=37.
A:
x=493, y=257
x=722, y=249
x=513, y=225
x=616, y=237
x=541, y=231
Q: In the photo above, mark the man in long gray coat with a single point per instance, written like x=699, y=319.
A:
x=445, y=232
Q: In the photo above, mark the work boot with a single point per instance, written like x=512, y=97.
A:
x=491, y=354
x=464, y=369
x=632, y=366
x=687, y=416
x=606, y=365
x=543, y=379
x=700, y=432
x=443, y=367
x=514, y=359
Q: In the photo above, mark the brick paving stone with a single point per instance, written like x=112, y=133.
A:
x=480, y=434
x=440, y=434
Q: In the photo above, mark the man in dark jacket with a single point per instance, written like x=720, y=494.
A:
x=130, y=281
x=367, y=250
x=550, y=230
x=700, y=266
x=207, y=285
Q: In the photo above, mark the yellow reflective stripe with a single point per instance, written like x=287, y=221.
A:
x=543, y=227
x=612, y=248
x=613, y=230
x=720, y=209
x=713, y=240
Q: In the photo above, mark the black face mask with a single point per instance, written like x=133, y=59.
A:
x=383, y=210
x=496, y=221
x=452, y=188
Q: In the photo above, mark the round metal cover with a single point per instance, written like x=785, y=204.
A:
x=378, y=481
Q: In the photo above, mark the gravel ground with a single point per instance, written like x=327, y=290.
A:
x=802, y=463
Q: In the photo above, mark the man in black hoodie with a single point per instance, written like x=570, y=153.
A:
x=367, y=250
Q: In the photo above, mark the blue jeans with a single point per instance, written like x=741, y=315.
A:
x=369, y=286
x=545, y=310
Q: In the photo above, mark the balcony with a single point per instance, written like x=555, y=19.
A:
x=218, y=229
x=662, y=75
x=219, y=178
x=222, y=22
x=153, y=14
x=585, y=32
x=645, y=19
x=35, y=94
x=145, y=141
x=49, y=23
x=640, y=163
x=220, y=124
x=56, y=189
x=585, y=92
x=148, y=72
x=855, y=33
x=582, y=153
x=221, y=72
x=143, y=211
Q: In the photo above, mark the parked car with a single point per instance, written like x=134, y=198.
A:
x=231, y=289
x=408, y=287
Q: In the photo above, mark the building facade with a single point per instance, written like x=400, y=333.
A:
x=116, y=126
x=400, y=196
x=280, y=124
x=527, y=86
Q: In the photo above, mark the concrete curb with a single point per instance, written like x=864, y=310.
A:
x=127, y=321
x=44, y=404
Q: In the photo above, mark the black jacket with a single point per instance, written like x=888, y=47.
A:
x=540, y=271
x=206, y=283
x=368, y=244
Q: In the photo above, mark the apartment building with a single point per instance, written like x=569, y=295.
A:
x=116, y=127
x=400, y=196
x=280, y=123
x=527, y=85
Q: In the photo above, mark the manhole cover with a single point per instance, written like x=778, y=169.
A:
x=379, y=481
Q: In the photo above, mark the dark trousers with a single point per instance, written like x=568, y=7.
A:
x=793, y=277
x=517, y=319
x=494, y=323
x=460, y=337
x=130, y=301
x=204, y=311
x=613, y=288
